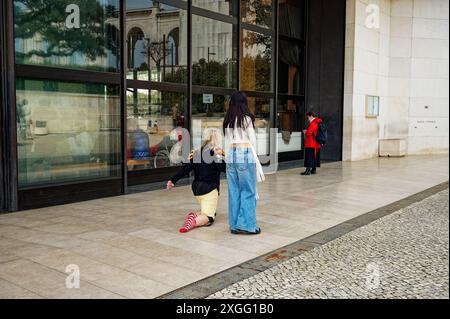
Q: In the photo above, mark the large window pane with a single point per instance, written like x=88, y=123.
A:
x=156, y=42
x=64, y=33
x=291, y=70
x=256, y=61
x=207, y=114
x=258, y=12
x=261, y=108
x=226, y=7
x=152, y=117
x=214, y=53
x=292, y=18
x=67, y=132
x=290, y=123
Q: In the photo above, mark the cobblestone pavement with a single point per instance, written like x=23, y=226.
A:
x=403, y=255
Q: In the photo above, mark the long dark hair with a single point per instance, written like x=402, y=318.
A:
x=237, y=112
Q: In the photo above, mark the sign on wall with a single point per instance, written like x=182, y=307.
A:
x=428, y=127
x=208, y=98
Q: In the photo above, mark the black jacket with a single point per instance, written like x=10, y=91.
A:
x=206, y=175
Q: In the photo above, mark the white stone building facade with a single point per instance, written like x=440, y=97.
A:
x=404, y=59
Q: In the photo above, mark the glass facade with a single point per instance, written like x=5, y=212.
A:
x=225, y=7
x=60, y=33
x=156, y=42
x=156, y=104
x=103, y=90
x=66, y=132
x=291, y=75
x=261, y=107
x=258, y=12
x=256, y=62
x=214, y=53
x=208, y=111
x=290, y=121
x=152, y=116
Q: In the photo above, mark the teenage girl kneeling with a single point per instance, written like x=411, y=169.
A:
x=207, y=163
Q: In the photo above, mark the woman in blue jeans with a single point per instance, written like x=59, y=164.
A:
x=243, y=166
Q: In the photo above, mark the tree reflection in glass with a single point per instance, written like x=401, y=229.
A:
x=45, y=33
x=258, y=12
x=256, y=62
x=214, y=53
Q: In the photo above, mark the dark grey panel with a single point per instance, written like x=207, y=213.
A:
x=326, y=49
x=2, y=113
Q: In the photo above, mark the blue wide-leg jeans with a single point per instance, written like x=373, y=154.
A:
x=241, y=178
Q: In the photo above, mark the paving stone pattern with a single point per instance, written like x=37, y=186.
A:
x=403, y=255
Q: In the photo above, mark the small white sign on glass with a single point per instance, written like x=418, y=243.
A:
x=208, y=98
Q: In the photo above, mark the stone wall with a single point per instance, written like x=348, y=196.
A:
x=405, y=62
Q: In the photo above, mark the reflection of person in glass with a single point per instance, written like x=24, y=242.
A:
x=23, y=112
x=175, y=114
x=207, y=164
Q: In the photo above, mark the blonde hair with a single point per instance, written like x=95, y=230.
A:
x=212, y=137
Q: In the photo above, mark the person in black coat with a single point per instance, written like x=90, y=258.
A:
x=207, y=163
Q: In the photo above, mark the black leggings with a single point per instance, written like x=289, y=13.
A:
x=311, y=159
